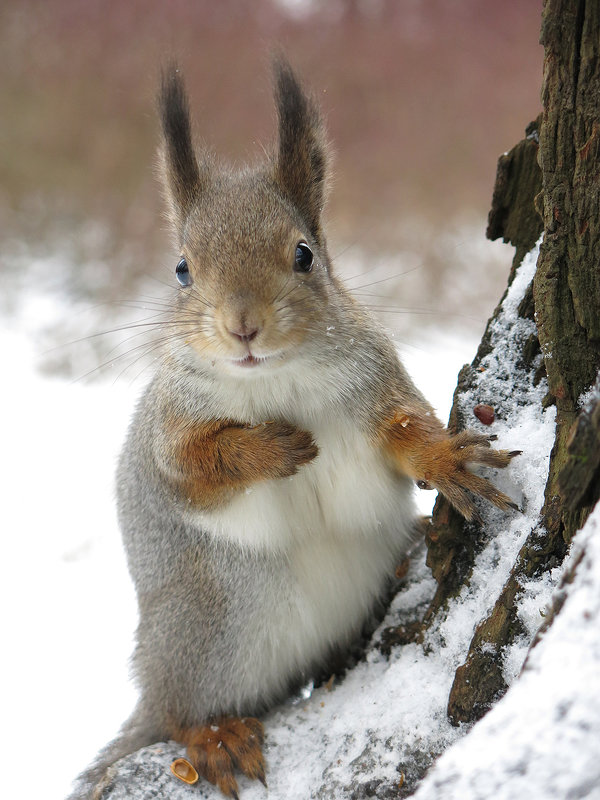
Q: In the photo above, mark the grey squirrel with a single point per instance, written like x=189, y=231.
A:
x=265, y=486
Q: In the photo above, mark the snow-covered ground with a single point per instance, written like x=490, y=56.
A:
x=68, y=609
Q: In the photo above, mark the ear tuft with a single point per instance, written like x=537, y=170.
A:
x=181, y=174
x=302, y=157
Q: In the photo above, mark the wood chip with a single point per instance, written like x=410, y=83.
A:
x=183, y=770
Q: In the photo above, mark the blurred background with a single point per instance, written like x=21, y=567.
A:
x=420, y=96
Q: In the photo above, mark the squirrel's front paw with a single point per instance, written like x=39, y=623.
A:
x=285, y=447
x=217, y=749
x=448, y=471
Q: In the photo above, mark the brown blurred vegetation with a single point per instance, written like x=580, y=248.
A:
x=420, y=95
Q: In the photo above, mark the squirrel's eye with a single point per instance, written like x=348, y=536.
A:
x=304, y=258
x=182, y=271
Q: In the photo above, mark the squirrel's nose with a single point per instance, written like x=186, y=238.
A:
x=245, y=333
x=242, y=318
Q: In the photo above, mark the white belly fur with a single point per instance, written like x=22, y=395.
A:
x=341, y=521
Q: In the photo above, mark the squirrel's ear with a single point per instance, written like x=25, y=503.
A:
x=180, y=171
x=302, y=157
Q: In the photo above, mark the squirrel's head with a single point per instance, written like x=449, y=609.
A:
x=252, y=261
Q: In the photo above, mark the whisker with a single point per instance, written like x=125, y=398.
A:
x=278, y=294
x=355, y=242
x=384, y=280
x=181, y=329
x=153, y=344
x=157, y=323
x=153, y=348
x=421, y=312
x=288, y=293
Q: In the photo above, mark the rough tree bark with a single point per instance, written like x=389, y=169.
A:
x=549, y=182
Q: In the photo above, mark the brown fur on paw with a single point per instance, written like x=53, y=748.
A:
x=455, y=480
x=287, y=447
x=425, y=451
x=208, y=462
x=219, y=748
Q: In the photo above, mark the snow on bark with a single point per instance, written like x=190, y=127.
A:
x=543, y=738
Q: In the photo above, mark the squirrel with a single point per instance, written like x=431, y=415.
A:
x=265, y=488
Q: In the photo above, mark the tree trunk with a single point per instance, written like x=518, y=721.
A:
x=567, y=283
x=552, y=187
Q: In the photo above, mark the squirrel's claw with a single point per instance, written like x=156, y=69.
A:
x=457, y=491
x=437, y=460
x=459, y=483
x=217, y=749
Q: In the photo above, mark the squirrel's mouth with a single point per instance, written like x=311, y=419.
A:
x=250, y=360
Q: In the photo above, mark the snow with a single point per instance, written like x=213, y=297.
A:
x=70, y=613
x=542, y=740
x=589, y=397
x=67, y=603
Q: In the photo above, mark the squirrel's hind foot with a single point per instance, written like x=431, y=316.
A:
x=218, y=748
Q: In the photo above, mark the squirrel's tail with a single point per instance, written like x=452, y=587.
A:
x=136, y=733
